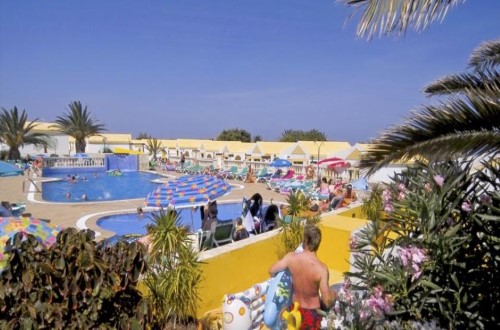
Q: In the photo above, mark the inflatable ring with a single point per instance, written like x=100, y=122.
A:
x=309, y=172
x=293, y=318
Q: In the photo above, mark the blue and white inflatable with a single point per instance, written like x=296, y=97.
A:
x=278, y=299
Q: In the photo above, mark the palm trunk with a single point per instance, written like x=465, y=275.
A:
x=14, y=153
x=80, y=146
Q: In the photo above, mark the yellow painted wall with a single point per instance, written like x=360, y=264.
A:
x=334, y=249
x=236, y=271
x=244, y=265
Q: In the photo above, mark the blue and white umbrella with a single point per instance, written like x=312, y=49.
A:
x=188, y=190
x=278, y=162
x=8, y=169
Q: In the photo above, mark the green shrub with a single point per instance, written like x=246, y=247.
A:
x=175, y=277
x=435, y=250
x=292, y=230
x=76, y=283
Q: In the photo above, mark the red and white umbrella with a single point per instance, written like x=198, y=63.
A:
x=336, y=164
x=339, y=167
x=332, y=162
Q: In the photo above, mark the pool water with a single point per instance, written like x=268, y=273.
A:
x=133, y=223
x=97, y=186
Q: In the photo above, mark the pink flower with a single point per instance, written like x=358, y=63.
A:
x=347, y=283
x=401, y=187
x=439, y=180
x=466, y=207
x=387, y=196
x=412, y=258
x=486, y=199
x=388, y=207
x=353, y=242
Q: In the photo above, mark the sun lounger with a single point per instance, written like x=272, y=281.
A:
x=222, y=232
x=230, y=173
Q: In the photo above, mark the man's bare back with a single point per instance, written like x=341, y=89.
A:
x=307, y=272
x=309, y=275
x=309, y=278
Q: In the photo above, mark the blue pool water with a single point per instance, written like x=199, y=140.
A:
x=132, y=223
x=97, y=185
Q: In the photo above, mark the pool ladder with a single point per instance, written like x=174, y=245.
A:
x=37, y=189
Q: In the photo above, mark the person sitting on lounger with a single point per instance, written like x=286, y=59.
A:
x=323, y=187
x=347, y=197
x=208, y=215
x=240, y=231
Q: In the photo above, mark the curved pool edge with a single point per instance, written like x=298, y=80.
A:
x=89, y=221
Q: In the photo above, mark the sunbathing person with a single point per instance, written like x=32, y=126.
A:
x=250, y=178
x=346, y=198
x=323, y=188
x=208, y=215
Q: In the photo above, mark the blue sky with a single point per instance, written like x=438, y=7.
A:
x=189, y=69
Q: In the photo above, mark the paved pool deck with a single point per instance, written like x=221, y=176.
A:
x=17, y=189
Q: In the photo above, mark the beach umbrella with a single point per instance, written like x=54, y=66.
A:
x=339, y=167
x=278, y=162
x=188, y=190
x=331, y=161
x=45, y=232
x=8, y=169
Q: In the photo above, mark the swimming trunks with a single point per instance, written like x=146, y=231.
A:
x=311, y=319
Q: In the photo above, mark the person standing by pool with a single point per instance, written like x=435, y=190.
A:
x=183, y=160
x=310, y=277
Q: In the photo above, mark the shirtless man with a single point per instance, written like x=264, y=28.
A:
x=309, y=277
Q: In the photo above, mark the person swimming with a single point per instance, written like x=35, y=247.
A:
x=140, y=212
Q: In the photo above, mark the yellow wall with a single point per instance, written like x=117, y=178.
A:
x=235, y=271
x=244, y=265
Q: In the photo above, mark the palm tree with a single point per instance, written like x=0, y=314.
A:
x=79, y=124
x=466, y=123
x=153, y=146
x=174, y=282
x=15, y=131
x=396, y=16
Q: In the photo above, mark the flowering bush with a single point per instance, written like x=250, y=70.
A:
x=434, y=248
x=355, y=309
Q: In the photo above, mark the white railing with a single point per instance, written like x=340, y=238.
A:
x=257, y=166
x=92, y=161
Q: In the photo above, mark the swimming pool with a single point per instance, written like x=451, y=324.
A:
x=132, y=223
x=97, y=185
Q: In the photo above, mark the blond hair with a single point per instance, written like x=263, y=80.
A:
x=312, y=237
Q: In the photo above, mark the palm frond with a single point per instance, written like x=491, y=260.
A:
x=486, y=56
x=16, y=130
x=462, y=127
x=78, y=122
x=154, y=146
x=485, y=81
x=388, y=16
